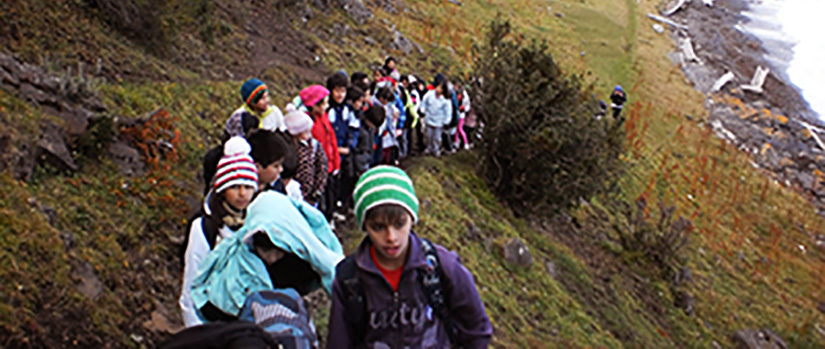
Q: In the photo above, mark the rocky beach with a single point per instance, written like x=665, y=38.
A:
x=734, y=52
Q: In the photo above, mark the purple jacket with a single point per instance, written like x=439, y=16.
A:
x=404, y=319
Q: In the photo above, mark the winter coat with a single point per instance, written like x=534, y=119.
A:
x=323, y=132
x=345, y=124
x=232, y=270
x=312, y=169
x=362, y=153
x=618, y=97
x=401, y=319
x=196, y=251
x=272, y=117
x=437, y=109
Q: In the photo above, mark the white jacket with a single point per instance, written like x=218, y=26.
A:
x=196, y=252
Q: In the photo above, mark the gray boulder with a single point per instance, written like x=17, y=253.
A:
x=516, y=252
x=757, y=339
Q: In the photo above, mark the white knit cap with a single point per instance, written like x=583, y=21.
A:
x=297, y=122
x=236, y=167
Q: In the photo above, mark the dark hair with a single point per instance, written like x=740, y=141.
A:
x=358, y=77
x=354, y=93
x=385, y=93
x=290, y=164
x=380, y=71
x=404, y=78
x=249, y=123
x=267, y=147
x=217, y=210
x=338, y=79
x=375, y=115
x=387, y=213
x=388, y=60
x=261, y=240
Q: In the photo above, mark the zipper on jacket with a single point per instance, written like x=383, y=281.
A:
x=397, y=310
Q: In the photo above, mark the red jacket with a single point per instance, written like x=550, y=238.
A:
x=323, y=132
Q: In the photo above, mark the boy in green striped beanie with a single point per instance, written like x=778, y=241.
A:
x=397, y=289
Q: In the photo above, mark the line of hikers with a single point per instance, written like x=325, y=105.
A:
x=264, y=236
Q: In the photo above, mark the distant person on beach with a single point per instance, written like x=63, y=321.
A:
x=618, y=98
x=399, y=290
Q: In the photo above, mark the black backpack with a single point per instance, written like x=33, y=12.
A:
x=210, y=230
x=220, y=335
x=429, y=279
x=454, y=118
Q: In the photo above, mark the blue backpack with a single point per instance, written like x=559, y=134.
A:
x=282, y=314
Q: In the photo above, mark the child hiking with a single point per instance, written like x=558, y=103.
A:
x=224, y=211
x=399, y=290
x=255, y=96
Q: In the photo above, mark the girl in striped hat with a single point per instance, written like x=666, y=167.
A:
x=224, y=211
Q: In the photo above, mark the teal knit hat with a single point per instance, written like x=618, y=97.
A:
x=384, y=185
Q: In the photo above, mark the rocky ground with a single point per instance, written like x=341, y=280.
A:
x=776, y=126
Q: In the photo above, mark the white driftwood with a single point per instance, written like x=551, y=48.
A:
x=666, y=21
x=708, y=3
x=687, y=50
x=813, y=131
x=758, y=80
x=722, y=81
x=675, y=8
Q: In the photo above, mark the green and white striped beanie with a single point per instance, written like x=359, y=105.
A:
x=384, y=185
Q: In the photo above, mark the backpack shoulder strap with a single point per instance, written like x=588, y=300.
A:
x=355, y=305
x=430, y=281
x=210, y=230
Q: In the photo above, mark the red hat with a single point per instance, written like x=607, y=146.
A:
x=313, y=94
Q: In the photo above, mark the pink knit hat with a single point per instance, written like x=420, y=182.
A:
x=297, y=122
x=313, y=94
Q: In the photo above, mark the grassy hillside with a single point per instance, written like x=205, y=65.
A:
x=88, y=259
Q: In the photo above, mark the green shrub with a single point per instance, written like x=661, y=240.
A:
x=542, y=146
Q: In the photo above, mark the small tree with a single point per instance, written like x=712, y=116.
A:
x=542, y=146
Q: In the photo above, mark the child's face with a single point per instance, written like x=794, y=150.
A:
x=390, y=239
x=356, y=104
x=262, y=103
x=269, y=256
x=239, y=196
x=305, y=136
x=338, y=94
x=320, y=107
x=269, y=174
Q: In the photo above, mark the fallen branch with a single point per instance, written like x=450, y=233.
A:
x=673, y=9
x=722, y=81
x=666, y=21
x=813, y=132
x=757, y=81
x=687, y=50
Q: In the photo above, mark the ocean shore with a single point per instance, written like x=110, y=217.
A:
x=775, y=125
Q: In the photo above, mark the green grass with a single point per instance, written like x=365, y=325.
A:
x=747, y=267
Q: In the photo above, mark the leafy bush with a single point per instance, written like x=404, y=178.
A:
x=542, y=146
x=661, y=243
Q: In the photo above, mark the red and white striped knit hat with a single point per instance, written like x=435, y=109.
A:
x=236, y=167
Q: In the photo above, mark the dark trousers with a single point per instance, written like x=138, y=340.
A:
x=330, y=196
x=419, y=136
